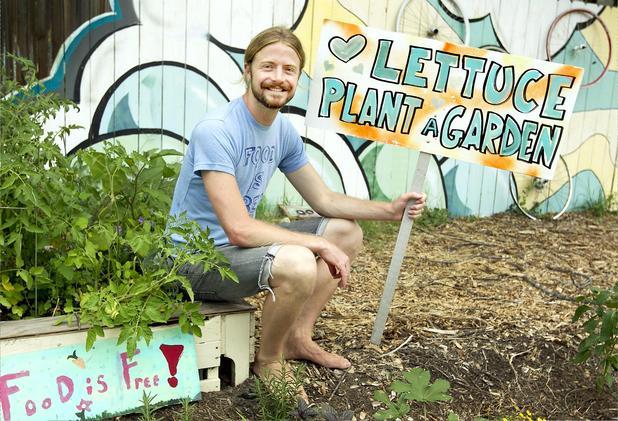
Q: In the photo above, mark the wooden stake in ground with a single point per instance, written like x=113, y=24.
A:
x=400, y=249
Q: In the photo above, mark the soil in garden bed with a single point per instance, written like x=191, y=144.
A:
x=483, y=303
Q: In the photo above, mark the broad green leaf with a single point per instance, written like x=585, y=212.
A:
x=401, y=387
x=35, y=229
x=438, y=391
x=17, y=310
x=98, y=330
x=196, y=331
x=608, y=325
x=601, y=297
x=27, y=278
x=187, y=287
x=102, y=238
x=139, y=243
x=68, y=308
x=381, y=416
x=131, y=346
x=590, y=325
x=91, y=336
x=90, y=250
x=37, y=271
x=147, y=334
x=452, y=416
x=4, y=302
x=7, y=285
x=125, y=332
x=197, y=318
x=66, y=271
x=154, y=314
x=589, y=342
x=418, y=380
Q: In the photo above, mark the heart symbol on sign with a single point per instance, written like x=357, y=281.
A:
x=347, y=50
x=437, y=102
x=328, y=65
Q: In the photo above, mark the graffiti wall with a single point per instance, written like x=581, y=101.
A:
x=145, y=73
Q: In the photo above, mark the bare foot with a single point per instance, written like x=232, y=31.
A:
x=265, y=371
x=302, y=349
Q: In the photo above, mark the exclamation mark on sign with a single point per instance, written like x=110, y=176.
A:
x=172, y=354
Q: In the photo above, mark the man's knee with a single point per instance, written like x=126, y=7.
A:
x=294, y=270
x=346, y=234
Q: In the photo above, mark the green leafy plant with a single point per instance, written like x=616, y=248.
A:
x=432, y=217
x=277, y=395
x=416, y=387
x=37, y=203
x=601, y=327
x=88, y=235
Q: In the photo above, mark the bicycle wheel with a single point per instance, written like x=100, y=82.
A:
x=421, y=19
x=566, y=44
x=495, y=48
x=534, y=196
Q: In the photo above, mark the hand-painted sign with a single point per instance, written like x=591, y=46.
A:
x=466, y=103
x=68, y=383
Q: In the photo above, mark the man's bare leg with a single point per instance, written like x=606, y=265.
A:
x=294, y=272
x=300, y=345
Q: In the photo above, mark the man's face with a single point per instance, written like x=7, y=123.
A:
x=273, y=75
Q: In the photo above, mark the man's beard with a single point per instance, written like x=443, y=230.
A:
x=260, y=95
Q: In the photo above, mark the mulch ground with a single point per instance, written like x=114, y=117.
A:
x=483, y=303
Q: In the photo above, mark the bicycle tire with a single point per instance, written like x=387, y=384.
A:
x=495, y=48
x=523, y=188
x=419, y=18
x=594, y=17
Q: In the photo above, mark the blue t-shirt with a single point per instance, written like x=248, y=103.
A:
x=230, y=140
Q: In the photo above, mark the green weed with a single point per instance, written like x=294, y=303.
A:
x=187, y=411
x=601, y=308
x=277, y=396
x=148, y=409
x=603, y=206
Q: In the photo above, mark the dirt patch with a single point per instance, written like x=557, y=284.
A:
x=483, y=303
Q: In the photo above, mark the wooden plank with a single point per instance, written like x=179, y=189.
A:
x=400, y=249
x=17, y=345
x=211, y=383
x=236, y=344
x=208, y=347
x=58, y=324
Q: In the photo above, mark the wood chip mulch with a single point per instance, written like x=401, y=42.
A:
x=483, y=303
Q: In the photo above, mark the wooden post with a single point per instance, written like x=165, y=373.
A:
x=400, y=249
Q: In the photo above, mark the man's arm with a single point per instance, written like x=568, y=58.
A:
x=336, y=205
x=245, y=231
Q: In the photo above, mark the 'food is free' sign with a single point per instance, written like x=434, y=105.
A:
x=480, y=106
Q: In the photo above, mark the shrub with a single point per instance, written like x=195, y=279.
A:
x=86, y=235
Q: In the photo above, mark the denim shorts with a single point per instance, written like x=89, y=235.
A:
x=251, y=265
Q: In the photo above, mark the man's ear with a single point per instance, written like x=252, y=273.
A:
x=247, y=73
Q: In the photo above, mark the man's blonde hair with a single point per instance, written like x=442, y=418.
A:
x=271, y=36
